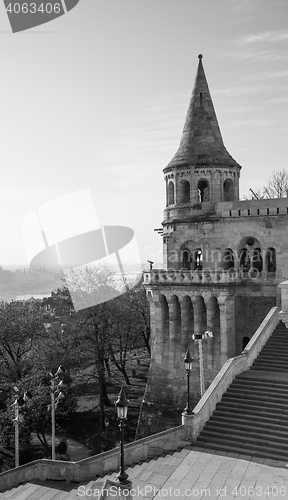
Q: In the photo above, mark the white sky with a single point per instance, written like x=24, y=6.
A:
x=97, y=99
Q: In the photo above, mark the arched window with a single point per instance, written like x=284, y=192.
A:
x=244, y=260
x=184, y=192
x=198, y=260
x=257, y=261
x=228, y=259
x=228, y=190
x=270, y=259
x=186, y=259
x=171, y=197
x=203, y=191
x=250, y=255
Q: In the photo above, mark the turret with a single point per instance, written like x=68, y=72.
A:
x=202, y=170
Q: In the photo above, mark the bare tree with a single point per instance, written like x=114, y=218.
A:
x=277, y=186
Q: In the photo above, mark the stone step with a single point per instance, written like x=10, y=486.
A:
x=255, y=400
x=271, y=351
x=252, y=416
x=271, y=431
x=269, y=368
x=281, y=392
x=244, y=406
x=242, y=449
x=242, y=438
x=69, y=491
x=273, y=384
x=272, y=360
x=251, y=392
x=244, y=415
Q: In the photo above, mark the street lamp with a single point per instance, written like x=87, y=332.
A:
x=198, y=338
x=188, y=361
x=18, y=419
x=122, y=406
x=106, y=423
x=54, y=402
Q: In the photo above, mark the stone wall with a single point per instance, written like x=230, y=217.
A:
x=249, y=313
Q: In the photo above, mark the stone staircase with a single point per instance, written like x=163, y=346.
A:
x=155, y=471
x=252, y=416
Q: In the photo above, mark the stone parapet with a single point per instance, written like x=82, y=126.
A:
x=184, y=277
x=98, y=465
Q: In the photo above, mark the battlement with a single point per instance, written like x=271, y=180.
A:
x=277, y=206
x=246, y=208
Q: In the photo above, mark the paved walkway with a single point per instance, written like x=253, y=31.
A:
x=192, y=473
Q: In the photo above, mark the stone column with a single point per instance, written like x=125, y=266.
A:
x=210, y=316
x=187, y=323
x=163, y=344
x=174, y=331
x=227, y=327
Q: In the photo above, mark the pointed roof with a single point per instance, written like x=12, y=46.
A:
x=201, y=142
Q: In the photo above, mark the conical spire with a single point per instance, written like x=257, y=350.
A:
x=201, y=142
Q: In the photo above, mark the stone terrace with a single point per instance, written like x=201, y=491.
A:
x=189, y=473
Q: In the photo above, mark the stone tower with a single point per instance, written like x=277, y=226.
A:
x=223, y=259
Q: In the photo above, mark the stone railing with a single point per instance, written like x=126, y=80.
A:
x=98, y=465
x=206, y=276
x=156, y=276
x=233, y=366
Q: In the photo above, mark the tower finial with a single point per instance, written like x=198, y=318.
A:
x=200, y=56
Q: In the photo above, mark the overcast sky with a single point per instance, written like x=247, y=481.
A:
x=97, y=99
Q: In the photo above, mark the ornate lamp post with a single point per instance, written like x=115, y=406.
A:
x=122, y=406
x=18, y=403
x=188, y=361
x=106, y=423
x=54, y=402
x=199, y=337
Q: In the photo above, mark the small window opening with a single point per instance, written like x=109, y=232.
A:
x=203, y=191
x=198, y=260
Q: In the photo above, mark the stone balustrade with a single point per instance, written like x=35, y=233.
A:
x=206, y=276
x=98, y=465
